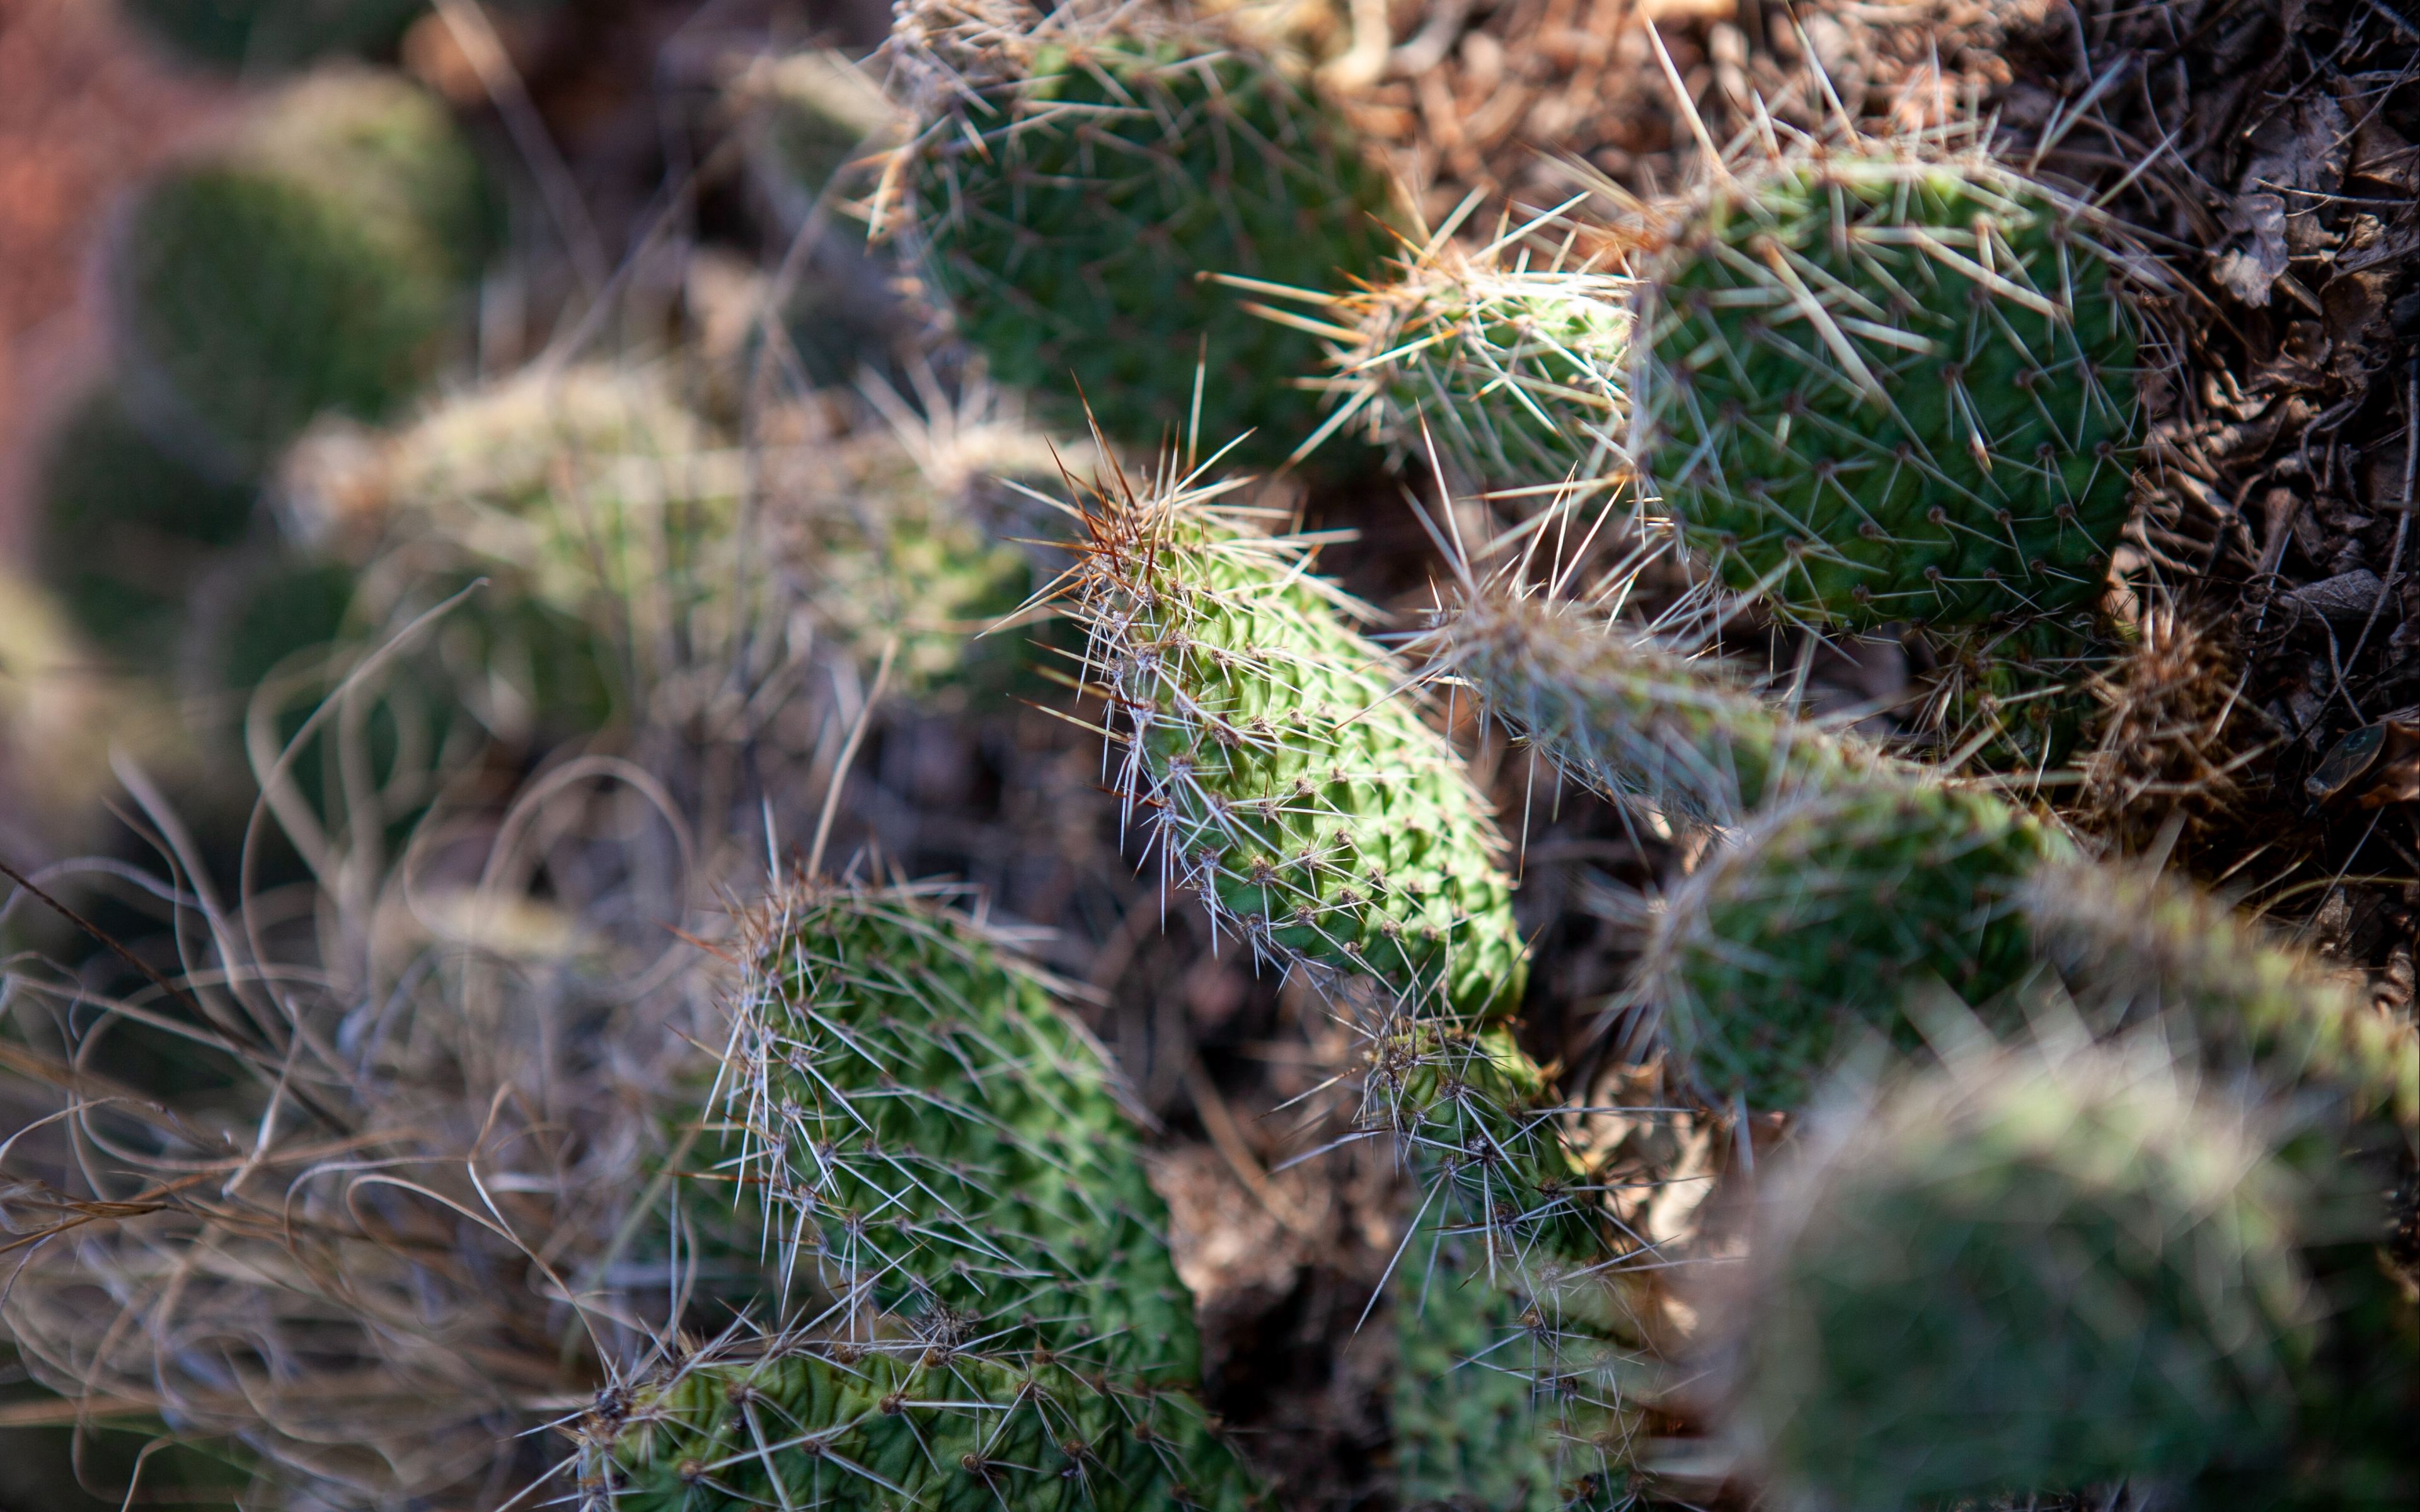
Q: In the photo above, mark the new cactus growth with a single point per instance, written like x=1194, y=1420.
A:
x=2023, y=1274
x=945, y=1172
x=1074, y=185
x=1631, y=713
x=1881, y=388
x=1767, y=961
x=1267, y=747
x=313, y=266
x=1515, y=1385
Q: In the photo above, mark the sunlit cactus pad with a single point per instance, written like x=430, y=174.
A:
x=1074, y=185
x=1518, y=376
x=1807, y=930
x=1281, y=771
x=1888, y=389
x=920, y=1124
x=2023, y=1275
x=925, y=1421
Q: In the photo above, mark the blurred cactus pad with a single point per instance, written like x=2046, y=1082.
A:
x=2023, y=1273
x=1882, y=388
x=105, y=479
x=1282, y=775
x=1073, y=187
x=270, y=34
x=1812, y=923
x=312, y=264
x=601, y=510
x=951, y=1186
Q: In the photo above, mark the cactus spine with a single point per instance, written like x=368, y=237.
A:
x=1282, y=776
x=2023, y=1273
x=2018, y=699
x=946, y=1174
x=312, y=266
x=1074, y=185
x=1882, y=388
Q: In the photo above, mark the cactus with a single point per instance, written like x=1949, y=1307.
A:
x=1515, y=1387
x=2136, y=947
x=599, y=509
x=313, y=266
x=2017, y=699
x=944, y=1168
x=1880, y=388
x=887, y=532
x=1630, y=712
x=2026, y=1272
x=1073, y=184
x=1518, y=374
x=104, y=478
x=254, y=34
x=1282, y=775
x=1823, y=913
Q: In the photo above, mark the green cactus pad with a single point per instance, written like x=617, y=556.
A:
x=1518, y=375
x=1072, y=186
x=1280, y=771
x=1814, y=922
x=918, y=1121
x=1514, y=1388
x=2135, y=946
x=1630, y=715
x=2019, y=699
x=104, y=478
x=312, y=269
x=948, y=1179
x=907, y=1423
x=2023, y=1275
x=1880, y=388
x=603, y=514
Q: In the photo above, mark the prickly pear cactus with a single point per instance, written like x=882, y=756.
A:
x=891, y=536
x=1770, y=958
x=2023, y=1274
x=1515, y=1386
x=1281, y=773
x=1519, y=375
x=256, y=34
x=1879, y=388
x=1074, y=185
x=104, y=478
x=951, y=1188
x=2019, y=699
x=2135, y=946
x=312, y=266
x=1631, y=716
x=600, y=510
